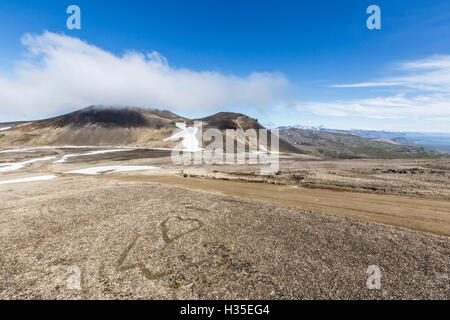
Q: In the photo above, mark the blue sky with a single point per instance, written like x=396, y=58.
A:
x=299, y=62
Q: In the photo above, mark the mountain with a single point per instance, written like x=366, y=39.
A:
x=299, y=126
x=349, y=145
x=96, y=125
x=436, y=142
x=118, y=126
x=231, y=120
x=109, y=117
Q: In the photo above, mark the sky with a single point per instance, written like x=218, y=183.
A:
x=282, y=62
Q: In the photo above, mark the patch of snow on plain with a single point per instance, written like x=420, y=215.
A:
x=189, y=136
x=58, y=147
x=261, y=147
x=64, y=158
x=265, y=151
x=16, y=166
x=6, y=128
x=40, y=178
x=111, y=169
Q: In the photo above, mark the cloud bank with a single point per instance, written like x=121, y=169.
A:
x=60, y=73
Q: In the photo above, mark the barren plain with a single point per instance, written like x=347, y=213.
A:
x=220, y=232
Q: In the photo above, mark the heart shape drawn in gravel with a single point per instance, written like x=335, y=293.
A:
x=172, y=229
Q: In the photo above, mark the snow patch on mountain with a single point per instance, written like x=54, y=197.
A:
x=189, y=136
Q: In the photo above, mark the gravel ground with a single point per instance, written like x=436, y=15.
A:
x=138, y=240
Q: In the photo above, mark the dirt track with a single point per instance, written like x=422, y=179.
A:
x=416, y=214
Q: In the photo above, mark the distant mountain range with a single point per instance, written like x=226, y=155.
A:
x=152, y=128
x=350, y=146
x=437, y=142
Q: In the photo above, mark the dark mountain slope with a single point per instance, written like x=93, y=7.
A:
x=112, y=117
x=232, y=120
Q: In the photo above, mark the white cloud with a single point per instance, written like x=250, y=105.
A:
x=366, y=84
x=434, y=107
x=429, y=74
x=61, y=73
x=423, y=92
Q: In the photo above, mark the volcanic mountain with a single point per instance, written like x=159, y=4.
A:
x=232, y=120
x=118, y=126
x=96, y=126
